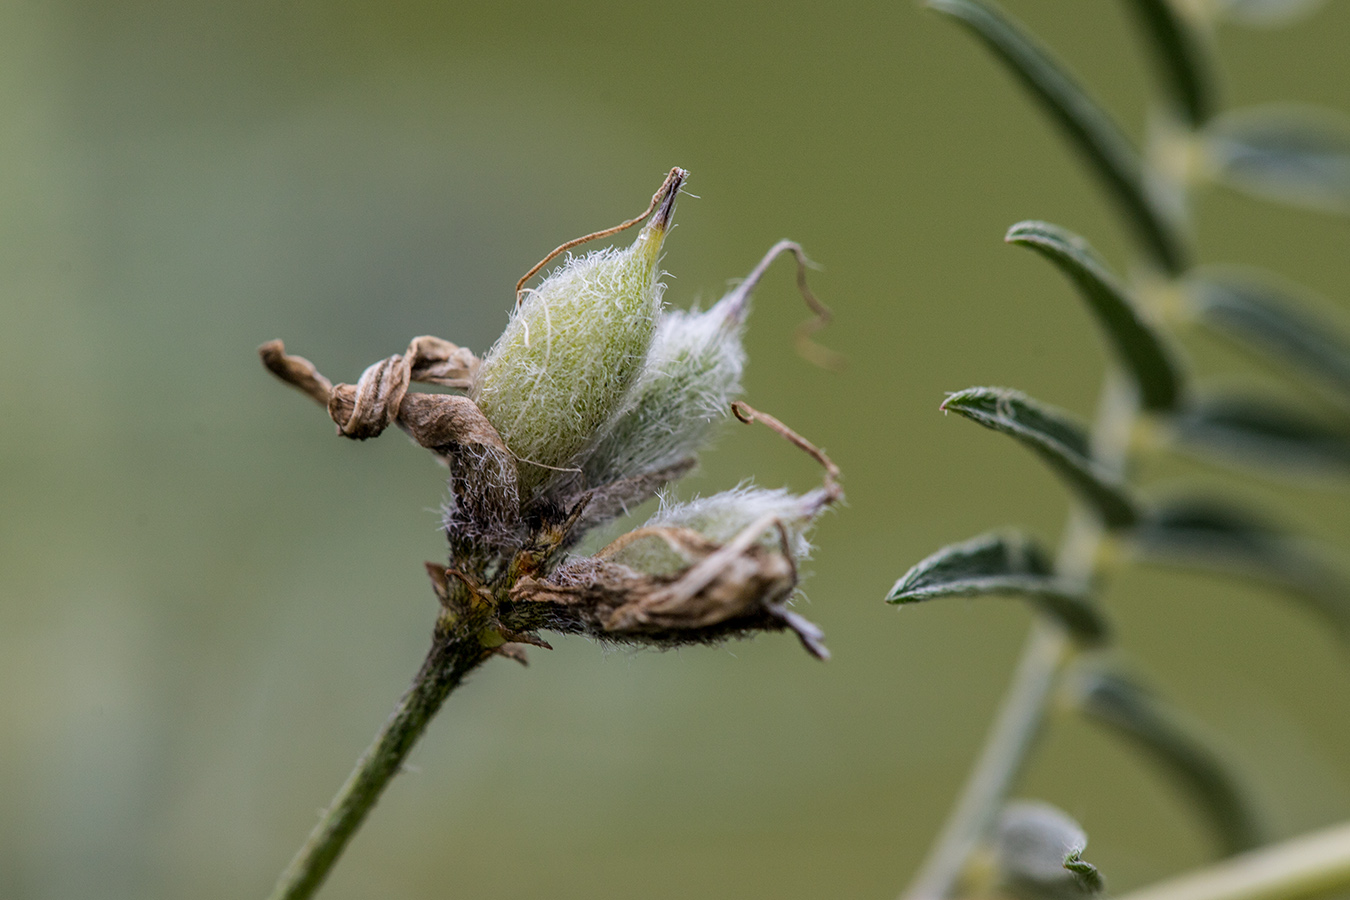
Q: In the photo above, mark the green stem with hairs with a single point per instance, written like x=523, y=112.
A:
x=449, y=660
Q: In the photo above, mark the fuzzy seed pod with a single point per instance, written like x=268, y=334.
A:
x=572, y=350
x=720, y=518
x=692, y=373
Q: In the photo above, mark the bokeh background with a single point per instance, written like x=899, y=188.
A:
x=208, y=603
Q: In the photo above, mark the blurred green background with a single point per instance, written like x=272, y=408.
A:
x=209, y=603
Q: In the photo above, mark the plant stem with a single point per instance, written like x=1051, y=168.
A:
x=1306, y=866
x=1014, y=732
x=449, y=660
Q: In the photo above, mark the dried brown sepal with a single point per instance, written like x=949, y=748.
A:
x=296, y=371
x=376, y=402
x=437, y=361
x=428, y=359
x=740, y=587
x=807, y=348
x=440, y=583
x=483, y=472
x=514, y=652
x=748, y=414
x=364, y=411
x=526, y=638
x=474, y=598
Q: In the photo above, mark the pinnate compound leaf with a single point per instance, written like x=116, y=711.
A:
x=1138, y=343
x=1212, y=536
x=1009, y=564
x=1060, y=440
x=1181, y=56
x=1038, y=854
x=1264, y=432
x=1178, y=748
x=1090, y=130
x=1257, y=313
x=1291, y=154
x=1267, y=13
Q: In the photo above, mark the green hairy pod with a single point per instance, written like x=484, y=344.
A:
x=571, y=351
x=692, y=373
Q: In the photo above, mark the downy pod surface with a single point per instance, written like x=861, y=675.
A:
x=720, y=518
x=571, y=351
x=692, y=374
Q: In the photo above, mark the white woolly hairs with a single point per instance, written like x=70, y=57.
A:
x=720, y=518
x=692, y=373
x=570, y=353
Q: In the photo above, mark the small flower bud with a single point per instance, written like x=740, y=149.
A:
x=572, y=350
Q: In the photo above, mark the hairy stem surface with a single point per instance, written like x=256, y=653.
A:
x=450, y=659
